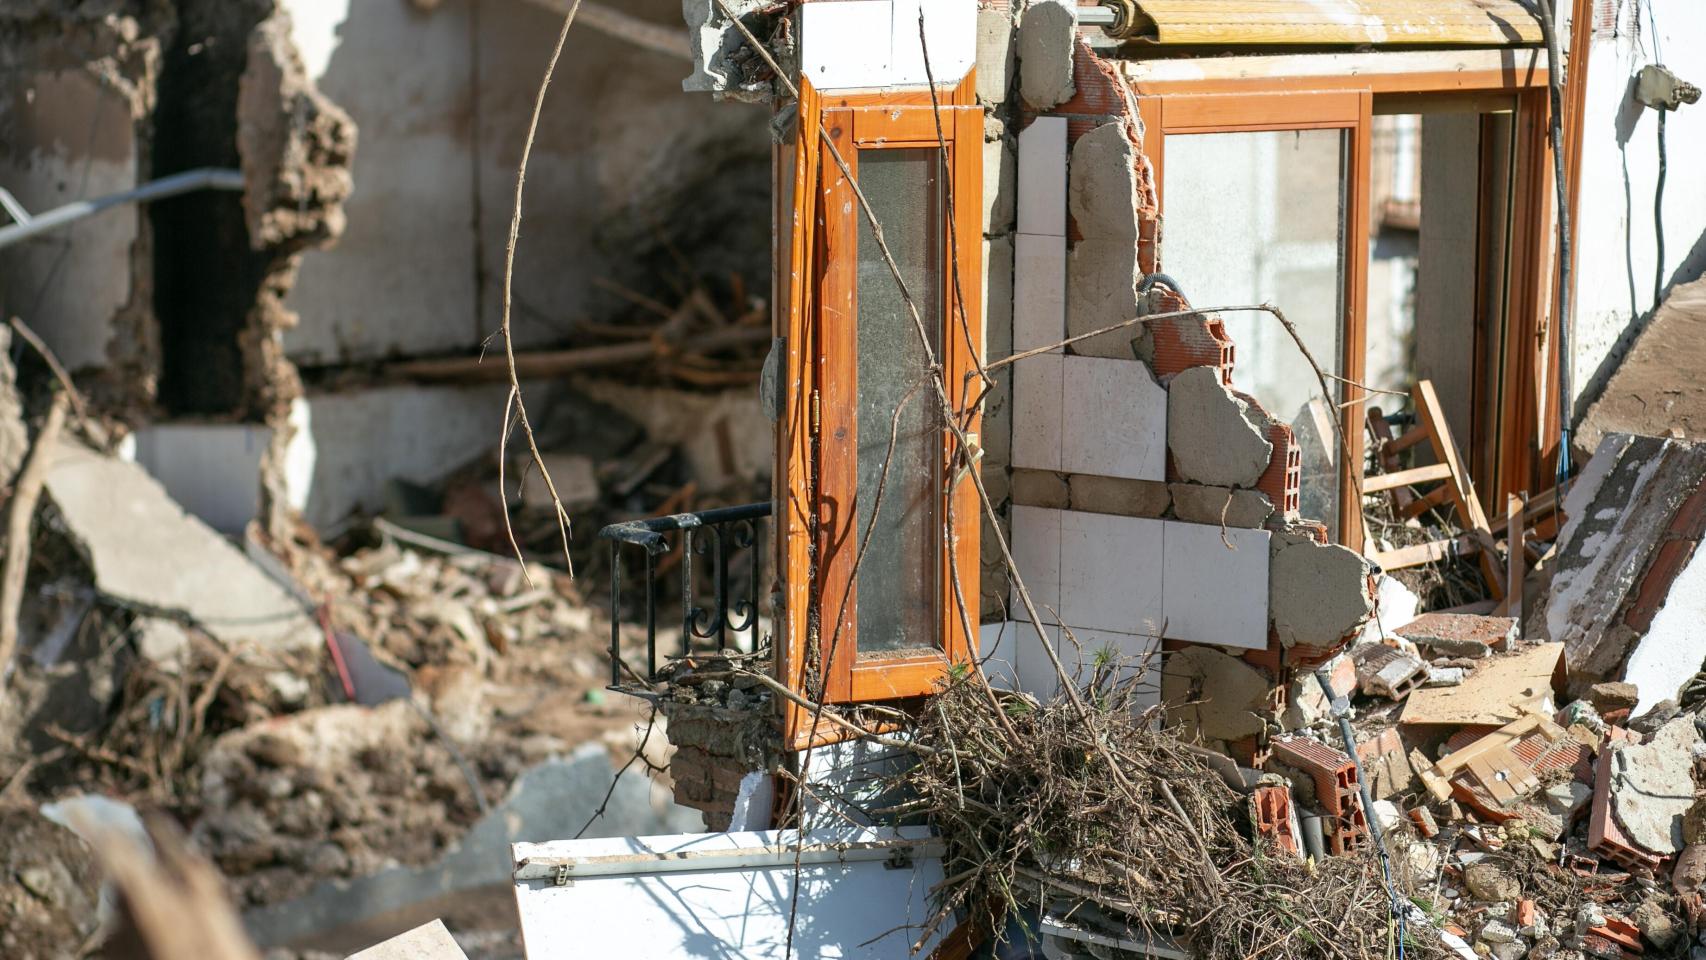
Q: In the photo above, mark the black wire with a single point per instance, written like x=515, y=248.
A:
x=1659, y=215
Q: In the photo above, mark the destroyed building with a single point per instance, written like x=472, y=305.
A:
x=1123, y=478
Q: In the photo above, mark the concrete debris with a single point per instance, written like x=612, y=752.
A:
x=1384, y=671
x=430, y=941
x=1653, y=787
x=296, y=145
x=1047, y=33
x=1461, y=634
x=1211, y=433
x=1320, y=595
x=124, y=523
x=1217, y=505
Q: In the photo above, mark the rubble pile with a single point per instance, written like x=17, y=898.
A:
x=308, y=713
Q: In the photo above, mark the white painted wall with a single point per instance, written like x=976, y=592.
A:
x=69, y=137
x=1616, y=253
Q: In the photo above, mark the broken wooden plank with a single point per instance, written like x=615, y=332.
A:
x=1406, y=478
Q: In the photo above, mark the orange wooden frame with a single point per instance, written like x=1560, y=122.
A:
x=1272, y=102
x=817, y=465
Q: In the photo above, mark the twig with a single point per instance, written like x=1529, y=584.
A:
x=515, y=401
x=54, y=365
x=639, y=754
x=21, y=513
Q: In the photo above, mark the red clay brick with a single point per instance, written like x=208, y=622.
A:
x=1336, y=788
x=1270, y=813
x=1605, y=837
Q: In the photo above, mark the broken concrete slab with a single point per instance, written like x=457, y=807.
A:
x=1619, y=511
x=1656, y=390
x=1212, y=695
x=1211, y=433
x=1460, y=634
x=1652, y=786
x=1320, y=594
x=1102, y=268
x=146, y=552
x=429, y=941
x=1613, y=695
x=1047, y=32
x=1196, y=503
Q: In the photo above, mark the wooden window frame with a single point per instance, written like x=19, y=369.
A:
x=817, y=448
x=1526, y=421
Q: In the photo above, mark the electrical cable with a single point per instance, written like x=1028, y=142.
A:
x=1659, y=216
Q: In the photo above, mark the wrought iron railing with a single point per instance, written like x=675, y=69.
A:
x=714, y=534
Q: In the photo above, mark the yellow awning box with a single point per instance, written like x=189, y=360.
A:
x=1501, y=23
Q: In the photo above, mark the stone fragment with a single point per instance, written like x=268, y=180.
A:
x=1655, y=923
x=1652, y=786
x=1689, y=874
x=1217, y=505
x=162, y=642
x=995, y=55
x=1610, y=696
x=1113, y=495
x=1694, y=823
x=1047, y=34
x=1491, y=881
x=1212, y=695
x=1318, y=593
x=1211, y=434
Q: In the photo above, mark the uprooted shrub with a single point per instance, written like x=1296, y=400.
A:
x=1083, y=799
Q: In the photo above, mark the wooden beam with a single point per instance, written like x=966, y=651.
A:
x=1406, y=478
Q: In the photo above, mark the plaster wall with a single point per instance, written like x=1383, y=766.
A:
x=1617, y=250
x=625, y=167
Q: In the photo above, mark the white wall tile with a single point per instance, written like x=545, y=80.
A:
x=1039, y=291
x=1042, y=177
x=1015, y=658
x=1110, y=572
x=1216, y=595
x=1036, y=553
x=848, y=43
x=1037, y=386
x=1115, y=419
x=950, y=30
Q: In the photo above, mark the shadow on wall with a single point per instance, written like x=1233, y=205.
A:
x=1691, y=267
x=631, y=181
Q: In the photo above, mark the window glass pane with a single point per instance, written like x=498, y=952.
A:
x=899, y=577
x=1260, y=216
